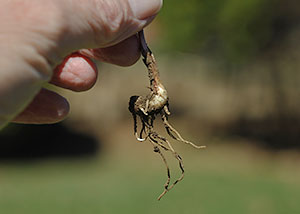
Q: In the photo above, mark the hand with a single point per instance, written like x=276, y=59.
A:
x=37, y=37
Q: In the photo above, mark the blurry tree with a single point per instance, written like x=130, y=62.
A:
x=230, y=29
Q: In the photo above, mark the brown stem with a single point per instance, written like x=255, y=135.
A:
x=150, y=63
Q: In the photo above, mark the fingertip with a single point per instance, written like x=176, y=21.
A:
x=77, y=72
x=46, y=108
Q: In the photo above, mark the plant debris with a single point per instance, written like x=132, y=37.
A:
x=148, y=107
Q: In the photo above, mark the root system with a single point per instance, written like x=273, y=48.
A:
x=148, y=107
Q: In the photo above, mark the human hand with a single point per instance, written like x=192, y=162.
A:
x=37, y=37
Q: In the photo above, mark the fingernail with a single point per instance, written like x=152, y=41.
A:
x=143, y=9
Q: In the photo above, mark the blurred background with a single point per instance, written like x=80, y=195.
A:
x=231, y=69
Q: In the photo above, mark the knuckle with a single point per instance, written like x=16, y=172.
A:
x=111, y=17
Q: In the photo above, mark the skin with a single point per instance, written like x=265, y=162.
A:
x=55, y=41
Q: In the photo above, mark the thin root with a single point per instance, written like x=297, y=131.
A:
x=155, y=139
x=156, y=149
x=170, y=129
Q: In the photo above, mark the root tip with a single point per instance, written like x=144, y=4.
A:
x=201, y=147
x=139, y=139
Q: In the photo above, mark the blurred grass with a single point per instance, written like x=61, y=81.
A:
x=129, y=177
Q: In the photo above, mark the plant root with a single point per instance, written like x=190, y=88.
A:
x=147, y=108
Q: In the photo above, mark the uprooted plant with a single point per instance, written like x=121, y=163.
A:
x=148, y=107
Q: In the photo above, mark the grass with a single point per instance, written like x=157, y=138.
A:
x=217, y=181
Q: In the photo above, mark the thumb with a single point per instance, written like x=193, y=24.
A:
x=103, y=23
